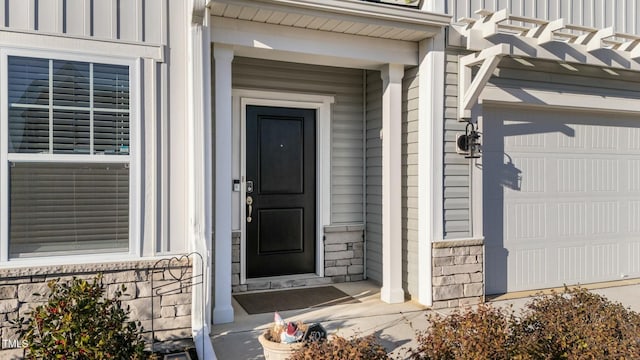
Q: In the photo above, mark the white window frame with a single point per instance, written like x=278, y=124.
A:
x=132, y=159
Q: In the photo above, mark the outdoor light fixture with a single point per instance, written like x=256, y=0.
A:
x=468, y=144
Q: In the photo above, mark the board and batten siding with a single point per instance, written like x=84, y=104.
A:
x=346, y=120
x=374, y=176
x=410, y=141
x=130, y=20
x=163, y=106
x=456, y=214
x=623, y=15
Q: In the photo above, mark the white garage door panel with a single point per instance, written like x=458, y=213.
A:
x=561, y=198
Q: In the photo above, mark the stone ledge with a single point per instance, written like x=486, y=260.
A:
x=343, y=228
x=79, y=269
x=457, y=243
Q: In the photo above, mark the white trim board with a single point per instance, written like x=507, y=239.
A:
x=558, y=99
x=322, y=105
x=81, y=45
x=316, y=47
x=430, y=159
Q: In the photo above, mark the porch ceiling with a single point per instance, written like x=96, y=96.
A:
x=354, y=17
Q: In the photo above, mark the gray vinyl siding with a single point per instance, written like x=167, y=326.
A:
x=346, y=120
x=623, y=15
x=456, y=214
x=410, y=182
x=130, y=20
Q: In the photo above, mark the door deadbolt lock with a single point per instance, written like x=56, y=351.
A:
x=250, y=205
x=249, y=186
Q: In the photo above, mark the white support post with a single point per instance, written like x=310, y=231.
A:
x=430, y=158
x=200, y=162
x=223, y=310
x=392, y=291
x=464, y=80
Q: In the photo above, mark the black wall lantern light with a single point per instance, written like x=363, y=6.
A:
x=468, y=144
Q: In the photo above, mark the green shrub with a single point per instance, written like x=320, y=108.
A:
x=77, y=322
x=575, y=324
x=339, y=348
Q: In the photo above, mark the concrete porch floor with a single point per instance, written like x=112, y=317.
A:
x=394, y=324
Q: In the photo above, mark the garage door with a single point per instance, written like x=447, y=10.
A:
x=561, y=198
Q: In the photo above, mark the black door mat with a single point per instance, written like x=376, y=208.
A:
x=265, y=302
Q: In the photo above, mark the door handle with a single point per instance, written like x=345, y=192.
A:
x=250, y=204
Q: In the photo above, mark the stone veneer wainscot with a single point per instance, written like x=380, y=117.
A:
x=22, y=289
x=458, y=273
x=343, y=262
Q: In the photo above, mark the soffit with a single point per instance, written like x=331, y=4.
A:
x=339, y=16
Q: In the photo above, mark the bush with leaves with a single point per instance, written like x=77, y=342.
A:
x=78, y=322
x=339, y=348
x=575, y=324
x=471, y=335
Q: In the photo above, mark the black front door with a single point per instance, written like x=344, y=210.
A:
x=281, y=191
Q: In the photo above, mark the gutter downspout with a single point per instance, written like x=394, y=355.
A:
x=200, y=161
x=364, y=173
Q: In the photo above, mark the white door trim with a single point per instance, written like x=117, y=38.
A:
x=322, y=105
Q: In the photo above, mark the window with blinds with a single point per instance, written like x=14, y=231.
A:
x=68, y=152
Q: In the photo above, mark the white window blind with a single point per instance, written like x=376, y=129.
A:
x=70, y=208
x=60, y=204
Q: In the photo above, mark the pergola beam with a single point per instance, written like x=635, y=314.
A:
x=535, y=39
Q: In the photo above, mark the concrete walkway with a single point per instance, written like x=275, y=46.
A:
x=395, y=325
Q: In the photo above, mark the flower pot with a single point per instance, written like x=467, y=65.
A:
x=277, y=351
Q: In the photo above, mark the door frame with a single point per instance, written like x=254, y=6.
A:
x=322, y=105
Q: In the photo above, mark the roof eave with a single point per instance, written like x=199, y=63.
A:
x=357, y=8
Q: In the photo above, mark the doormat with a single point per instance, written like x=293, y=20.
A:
x=266, y=302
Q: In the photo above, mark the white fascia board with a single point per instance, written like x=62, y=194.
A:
x=353, y=48
x=101, y=47
x=559, y=99
x=354, y=10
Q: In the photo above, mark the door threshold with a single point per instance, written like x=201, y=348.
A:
x=285, y=282
x=282, y=277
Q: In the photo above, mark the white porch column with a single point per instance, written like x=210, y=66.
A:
x=392, y=291
x=223, y=311
x=430, y=158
